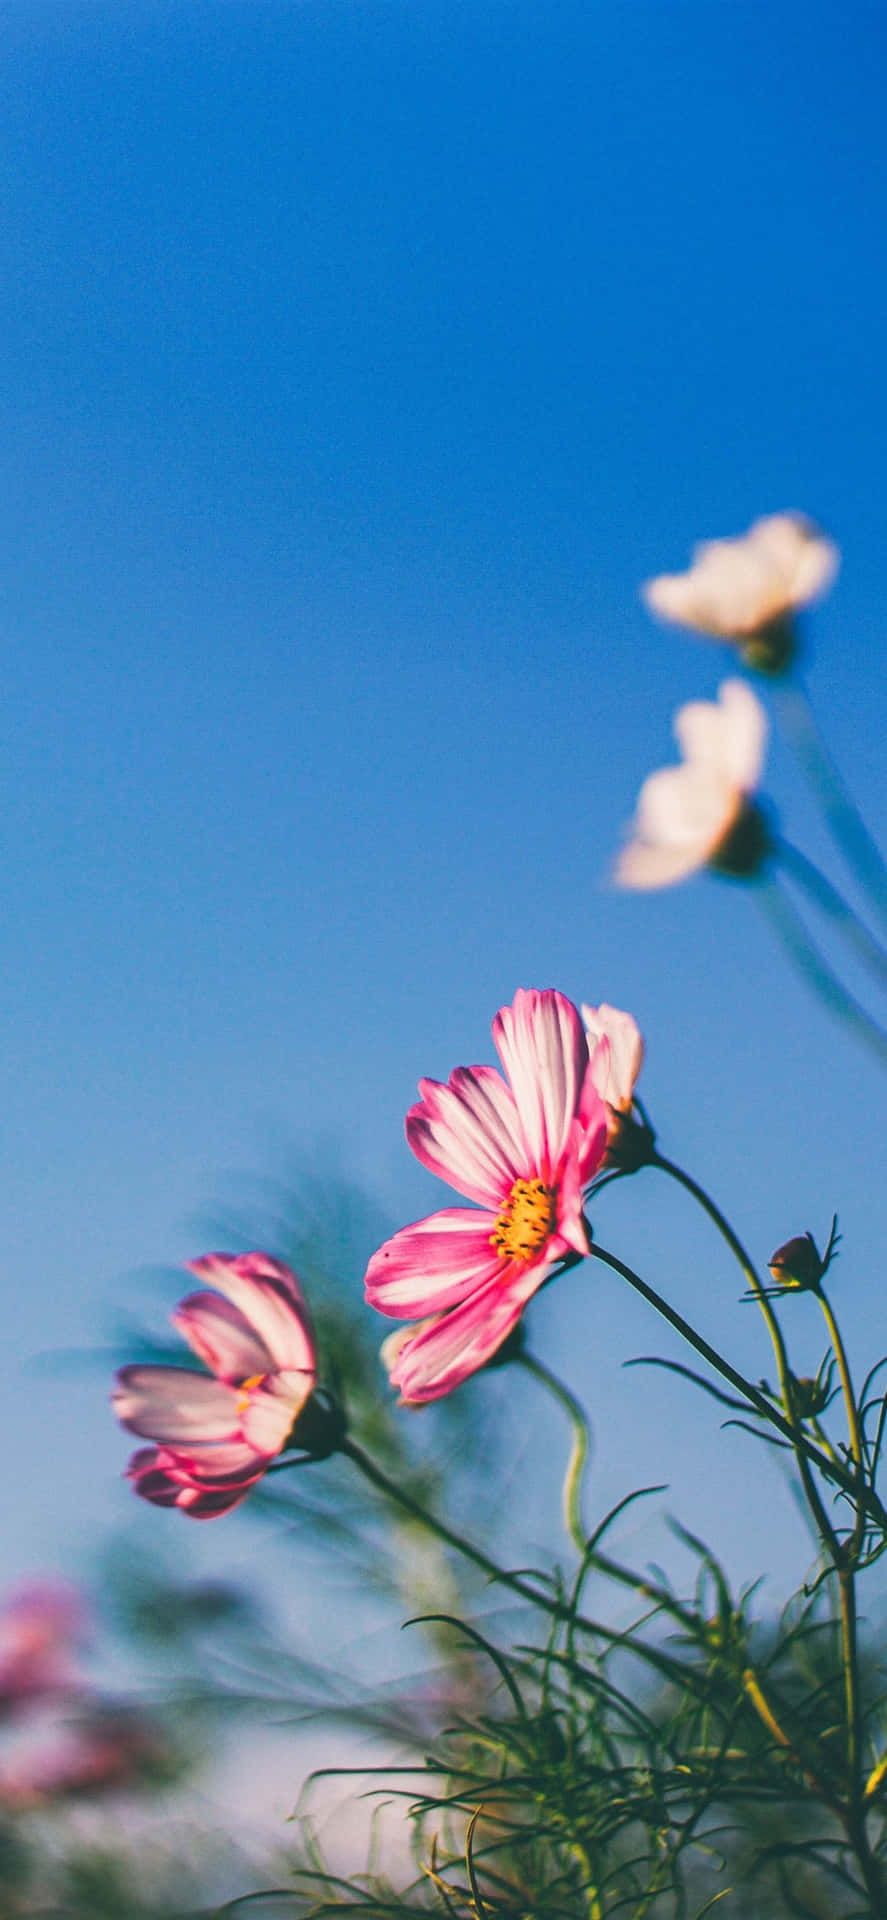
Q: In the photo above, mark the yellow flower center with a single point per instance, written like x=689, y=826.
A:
x=247, y=1388
x=526, y=1221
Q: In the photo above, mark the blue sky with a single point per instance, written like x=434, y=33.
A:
x=359, y=362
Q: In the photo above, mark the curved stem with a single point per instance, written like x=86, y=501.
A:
x=832, y=1470
x=853, y=1424
x=663, y=1663
x=827, y=897
x=786, y=1384
x=847, y=826
x=572, y=1488
x=815, y=968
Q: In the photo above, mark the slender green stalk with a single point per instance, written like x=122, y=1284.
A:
x=848, y=828
x=816, y=970
x=663, y=1663
x=833, y=1470
x=786, y=1384
x=832, y=903
x=572, y=1489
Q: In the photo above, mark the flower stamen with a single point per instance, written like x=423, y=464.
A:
x=527, y=1220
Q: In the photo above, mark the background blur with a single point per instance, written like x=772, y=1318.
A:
x=359, y=363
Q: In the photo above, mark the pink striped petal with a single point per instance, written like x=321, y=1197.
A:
x=220, y=1336
x=592, y=1125
x=157, y=1477
x=268, y=1416
x=469, y=1133
x=270, y=1298
x=433, y=1264
x=541, y=1043
x=174, y=1405
x=443, y=1354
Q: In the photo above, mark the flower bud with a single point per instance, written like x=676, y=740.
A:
x=811, y=1397
x=797, y=1266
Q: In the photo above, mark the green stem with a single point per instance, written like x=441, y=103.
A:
x=786, y=1384
x=849, y=830
x=831, y=1469
x=572, y=1488
x=853, y=1426
x=832, y=903
x=815, y=968
x=663, y=1663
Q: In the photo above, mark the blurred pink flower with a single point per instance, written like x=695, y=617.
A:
x=523, y=1148
x=702, y=813
x=40, y=1627
x=216, y=1433
x=104, y=1748
x=746, y=590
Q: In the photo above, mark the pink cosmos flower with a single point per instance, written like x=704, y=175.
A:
x=216, y=1433
x=523, y=1148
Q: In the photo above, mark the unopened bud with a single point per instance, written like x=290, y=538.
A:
x=797, y=1265
x=811, y=1397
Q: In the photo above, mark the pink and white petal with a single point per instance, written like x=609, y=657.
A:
x=590, y=1130
x=616, y=1072
x=572, y=1233
x=266, y=1420
x=174, y=1405
x=541, y=1043
x=455, y=1344
x=157, y=1478
x=221, y=1337
x=468, y=1133
x=745, y=734
x=217, y=1462
x=208, y=1503
x=433, y=1264
x=270, y=1298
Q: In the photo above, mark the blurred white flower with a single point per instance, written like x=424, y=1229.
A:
x=746, y=590
x=702, y=813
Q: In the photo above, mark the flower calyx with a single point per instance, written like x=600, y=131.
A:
x=746, y=846
x=319, y=1428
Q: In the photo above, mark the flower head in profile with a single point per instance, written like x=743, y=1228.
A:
x=703, y=812
x=747, y=591
x=522, y=1148
x=216, y=1433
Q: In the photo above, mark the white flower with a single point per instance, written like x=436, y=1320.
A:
x=746, y=590
x=620, y=1061
x=687, y=816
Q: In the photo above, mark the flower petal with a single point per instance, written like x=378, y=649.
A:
x=434, y=1263
x=271, y=1409
x=542, y=1046
x=270, y=1298
x=469, y=1133
x=617, y=1069
x=157, y=1477
x=174, y=1405
x=221, y=1337
x=685, y=808
x=454, y=1345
